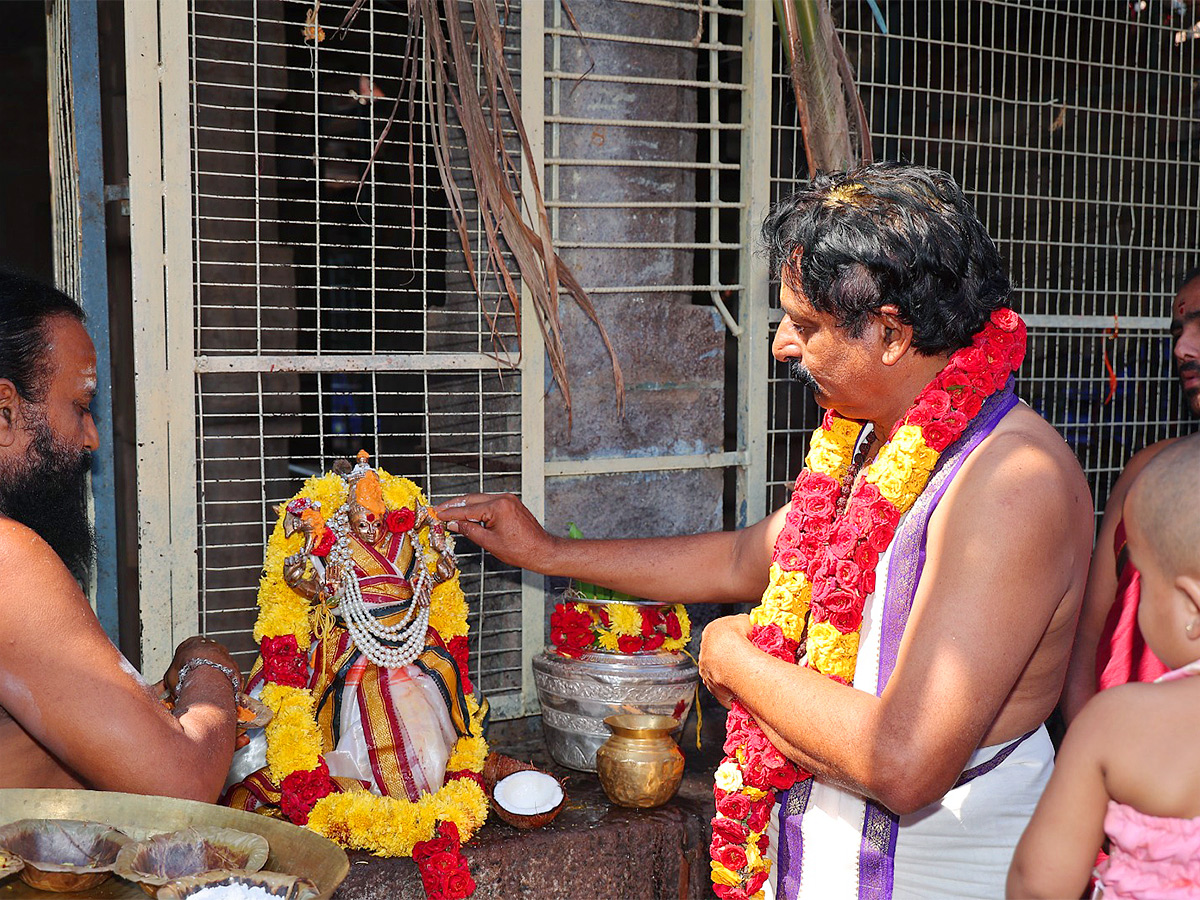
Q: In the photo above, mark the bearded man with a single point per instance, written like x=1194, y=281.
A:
x=1109, y=647
x=941, y=534
x=73, y=712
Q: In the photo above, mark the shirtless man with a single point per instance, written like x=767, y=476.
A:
x=1108, y=576
x=886, y=271
x=73, y=712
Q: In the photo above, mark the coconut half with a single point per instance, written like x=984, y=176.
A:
x=528, y=798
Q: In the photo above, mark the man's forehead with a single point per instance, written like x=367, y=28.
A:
x=1186, y=307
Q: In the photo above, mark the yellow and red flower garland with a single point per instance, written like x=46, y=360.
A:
x=576, y=628
x=823, y=569
x=433, y=826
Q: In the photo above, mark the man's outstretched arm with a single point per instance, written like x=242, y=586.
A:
x=1007, y=555
x=70, y=689
x=717, y=567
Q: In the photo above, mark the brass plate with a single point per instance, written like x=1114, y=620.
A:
x=296, y=851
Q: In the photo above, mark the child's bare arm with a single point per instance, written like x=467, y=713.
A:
x=1055, y=855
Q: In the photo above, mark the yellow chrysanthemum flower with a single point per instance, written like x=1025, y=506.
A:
x=607, y=640
x=624, y=619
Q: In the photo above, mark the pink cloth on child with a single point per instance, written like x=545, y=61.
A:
x=1150, y=857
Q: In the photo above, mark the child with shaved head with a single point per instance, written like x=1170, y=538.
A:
x=1129, y=767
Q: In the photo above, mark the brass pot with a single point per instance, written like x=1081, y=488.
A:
x=640, y=765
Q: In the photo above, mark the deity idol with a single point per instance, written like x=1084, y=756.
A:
x=389, y=691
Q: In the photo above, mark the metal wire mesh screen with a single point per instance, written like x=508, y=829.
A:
x=333, y=316
x=1074, y=128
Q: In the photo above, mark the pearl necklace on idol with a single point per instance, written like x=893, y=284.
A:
x=388, y=646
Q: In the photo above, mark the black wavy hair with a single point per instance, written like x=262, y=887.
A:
x=890, y=233
x=26, y=306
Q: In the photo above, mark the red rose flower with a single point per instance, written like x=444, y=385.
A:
x=650, y=622
x=755, y=883
x=731, y=857
x=849, y=574
x=783, y=777
x=458, y=883
x=846, y=620
x=300, y=791
x=972, y=361
x=731, y=830
x=760, y=815
x=735, y=806
x=938, y=436
x=969, y=404
x=402, y=519
x=789, y=536
x=824, y=485
x=819, y=506
x=1005, y=319
x=629, y=643
x=770, y=639
x=866, y=557
x=789, y=559
x=674, y=628
x=843, y=541
x=655, y=641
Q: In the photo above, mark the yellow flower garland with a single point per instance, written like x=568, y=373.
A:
x=388, y=826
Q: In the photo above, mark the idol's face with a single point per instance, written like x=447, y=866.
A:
x=365, y=524
x=1185, y=330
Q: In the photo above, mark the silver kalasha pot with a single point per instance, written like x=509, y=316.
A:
x=577, y=695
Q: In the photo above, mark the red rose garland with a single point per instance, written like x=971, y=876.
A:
x=824, y=569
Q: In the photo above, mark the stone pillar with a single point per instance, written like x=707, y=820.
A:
x=671, y=351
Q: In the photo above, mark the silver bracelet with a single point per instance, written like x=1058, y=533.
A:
x=197, y=661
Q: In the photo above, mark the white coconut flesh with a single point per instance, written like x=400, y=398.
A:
x=528, y=793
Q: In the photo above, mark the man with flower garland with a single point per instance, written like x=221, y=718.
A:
x=919, y=595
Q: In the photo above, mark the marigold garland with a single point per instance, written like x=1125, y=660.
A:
x=436, y=824
x=823, y=569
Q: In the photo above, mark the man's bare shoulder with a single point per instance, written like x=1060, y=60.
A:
x=1031, y=457
x=1024, y=482
x=28, y=564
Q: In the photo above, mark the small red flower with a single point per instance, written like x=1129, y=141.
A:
x=402, y=519
x=300, y=791
x=629, y=643
x=325, y=544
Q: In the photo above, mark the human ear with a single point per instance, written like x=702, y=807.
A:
x=10, y=408
x=896, y=335
x=1189, y=587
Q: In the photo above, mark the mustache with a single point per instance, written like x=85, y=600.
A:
x=797, y=371
x=1191, y=367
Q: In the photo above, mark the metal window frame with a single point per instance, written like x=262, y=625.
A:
x=160, y=200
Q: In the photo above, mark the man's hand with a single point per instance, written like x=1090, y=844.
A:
x=193, y=648
x=724, y=640
x=501, y=525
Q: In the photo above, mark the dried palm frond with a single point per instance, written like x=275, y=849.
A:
x=470, y=91
x=832, y=118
